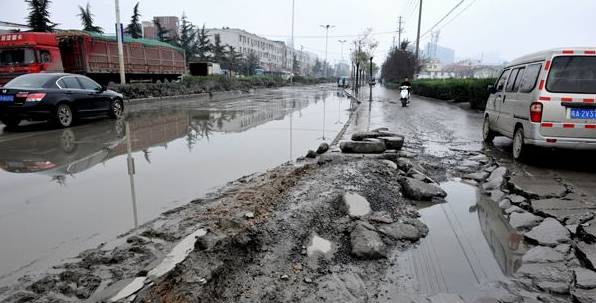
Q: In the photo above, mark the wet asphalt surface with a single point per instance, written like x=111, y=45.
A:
x=471, y=247
x=66, y=190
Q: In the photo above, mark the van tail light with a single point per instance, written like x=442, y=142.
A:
x=35, y=97
x=536, y=112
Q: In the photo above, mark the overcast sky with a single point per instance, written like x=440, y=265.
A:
x=496, y=28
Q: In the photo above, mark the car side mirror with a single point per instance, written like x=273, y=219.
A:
x=491, y=89
x=102, y=89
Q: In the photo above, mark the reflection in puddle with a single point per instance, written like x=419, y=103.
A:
x=129, y=172
x=357, y=205
x=318, y=245
x=464, y=251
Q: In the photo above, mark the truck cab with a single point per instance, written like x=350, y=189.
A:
x=28, y=52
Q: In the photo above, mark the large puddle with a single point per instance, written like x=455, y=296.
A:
x=66, y=190
x=470, y=246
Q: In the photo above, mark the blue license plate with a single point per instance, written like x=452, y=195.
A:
x=583, y=113
x=6, y=98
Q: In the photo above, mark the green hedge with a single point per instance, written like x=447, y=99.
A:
x=196, y=85
x=473, y=91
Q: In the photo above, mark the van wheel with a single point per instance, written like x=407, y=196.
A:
x=520, y=148
x=488, y=135
x=64, y=115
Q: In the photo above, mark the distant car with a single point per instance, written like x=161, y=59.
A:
x=545, y=99
x=58, y=97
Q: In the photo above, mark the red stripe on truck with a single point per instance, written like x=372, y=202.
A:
x=546, y=124
x=544, y=98
x=568, y=125
x=590, y=126
x=541, y=85
x=588, y=100
x=568, y=51
x=546, y=65
x=590, y=52
x=566, y=99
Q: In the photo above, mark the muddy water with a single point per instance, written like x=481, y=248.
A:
x=63, y=191
x=470, y=247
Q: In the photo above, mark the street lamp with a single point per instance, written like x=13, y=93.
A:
x=342, y=48
x=370, y=80
x=326, y=27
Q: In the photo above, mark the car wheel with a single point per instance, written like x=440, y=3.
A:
x=11, y=122
x=488, y=135
x=116, y=109
x=64, y=115
x=520, y=148
x=68, y=141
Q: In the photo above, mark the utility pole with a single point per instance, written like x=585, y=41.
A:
x=326, y=27
x=418, y=37
x=120, y=46
x=399, y=30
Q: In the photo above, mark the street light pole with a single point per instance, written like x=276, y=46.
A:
x=326, y=27
x=370, y=80
x=342, y=48
x=120, y=46
x=293, y=50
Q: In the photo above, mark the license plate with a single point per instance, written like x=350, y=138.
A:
x=6, y=98
x=583, y=113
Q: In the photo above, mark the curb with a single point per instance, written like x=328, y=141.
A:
x=343, y=130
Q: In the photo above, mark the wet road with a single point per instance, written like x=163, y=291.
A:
x=470, y=246
x=66, y=190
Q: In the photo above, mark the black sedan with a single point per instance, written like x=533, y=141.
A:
x=59, y=97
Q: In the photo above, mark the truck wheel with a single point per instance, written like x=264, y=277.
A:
x=520, y=148
x=11, y=122
x=116, y=109
x=64, y=115
x=488, y=135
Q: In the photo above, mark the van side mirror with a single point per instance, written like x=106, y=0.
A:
x=491, y=89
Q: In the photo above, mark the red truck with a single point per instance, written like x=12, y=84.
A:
x=87, y=53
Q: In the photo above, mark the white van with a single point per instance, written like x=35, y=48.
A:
x=545, y=99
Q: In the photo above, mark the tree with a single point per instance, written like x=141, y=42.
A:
x=39, y=17
x=188, y=37
x=203, y=45
x=134, y=28
x=251, y=63
x=399, y=64
x=233, y=60
x=317, y=69
x=162, y=33
x=295, y=65
x=218, y=50
x=87, y=19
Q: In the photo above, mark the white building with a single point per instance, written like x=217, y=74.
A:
x=274, y=56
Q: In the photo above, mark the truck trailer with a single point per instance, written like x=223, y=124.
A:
x=88, y=53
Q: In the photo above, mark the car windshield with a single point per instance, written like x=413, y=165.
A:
x=17, y=56
x=572, y=74
x=30, y=81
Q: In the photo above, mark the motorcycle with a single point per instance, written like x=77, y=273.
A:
x=404, y=95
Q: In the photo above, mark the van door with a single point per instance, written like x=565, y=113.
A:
x=571, y=85
x=496, y=99
x=510, y=100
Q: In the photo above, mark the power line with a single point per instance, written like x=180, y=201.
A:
x=460, y=12
x=443, y=18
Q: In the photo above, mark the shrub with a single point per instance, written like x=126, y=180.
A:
x=473, y=91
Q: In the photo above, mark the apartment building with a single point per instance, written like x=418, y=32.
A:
x=274, y=56
x=169, y=23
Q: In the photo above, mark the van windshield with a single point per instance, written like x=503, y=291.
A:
x=16, y=56
x=572, y=74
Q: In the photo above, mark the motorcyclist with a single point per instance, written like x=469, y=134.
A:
x=406, y=82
